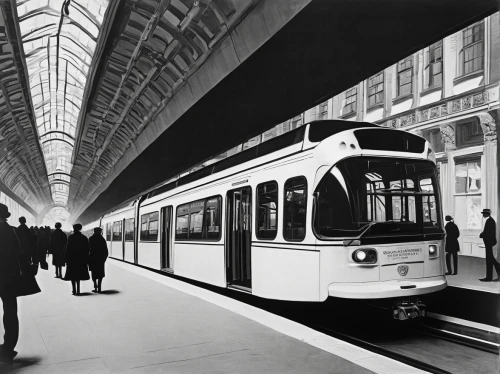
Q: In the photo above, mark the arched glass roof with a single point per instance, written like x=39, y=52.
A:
x=59, y=39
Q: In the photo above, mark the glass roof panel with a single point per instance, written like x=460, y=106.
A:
x=58, y=49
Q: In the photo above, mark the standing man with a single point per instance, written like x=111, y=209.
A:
x=97, y=258
x=12, y=262
x=57, y=246
x=28, y=241
x=452, y=247
x=489, y=239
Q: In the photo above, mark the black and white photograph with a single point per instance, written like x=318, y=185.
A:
x=249, y=186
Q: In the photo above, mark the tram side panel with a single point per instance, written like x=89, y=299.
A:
x=286, y=268
x=200, y=259
x=148, y=250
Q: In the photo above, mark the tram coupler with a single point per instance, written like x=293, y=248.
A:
x=404, y=309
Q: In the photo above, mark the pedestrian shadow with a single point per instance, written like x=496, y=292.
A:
x=85, y=294
x=20, y=363
x=110, y=292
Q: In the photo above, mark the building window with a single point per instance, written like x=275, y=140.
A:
x=294, y=209
x=129, y=230
x=469, y=134
x=468, y=189
x=117, y=231
x=323, y=110
x=351, y=98
x=471, y=55
x=267, y=210
x=108, y=231
x=376, y=89
x=149, y=227
x=405, y=74
x=435, y=138
x=433, y=62
x=468, y=175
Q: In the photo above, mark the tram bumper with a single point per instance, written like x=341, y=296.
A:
x=387, y=289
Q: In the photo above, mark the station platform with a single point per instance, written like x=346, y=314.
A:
x=144, y=322
x=470, y=270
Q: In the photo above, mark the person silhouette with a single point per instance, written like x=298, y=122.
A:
x=77, y=253
x=57, y=247
x=451, y=247
x=489, y=238
x=97, y=258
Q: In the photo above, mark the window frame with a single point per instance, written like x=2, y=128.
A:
x=109, y=231
x=127, y=220
x=471, y=45
x=459, y=141
x=380, y=103
x=284, y=208
x=120, y=223
x=348, y=95
x=402, y=68
x=204, y=231
x=147, y=237
x=257, y=214
x=466, y=160
x=429, y=64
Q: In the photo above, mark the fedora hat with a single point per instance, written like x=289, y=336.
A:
x=486, y=211
x=448, y=218
x=4, y=211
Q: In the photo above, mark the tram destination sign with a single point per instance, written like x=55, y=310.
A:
x=402, y=254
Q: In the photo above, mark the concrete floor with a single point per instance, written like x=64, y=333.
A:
x=143, y=324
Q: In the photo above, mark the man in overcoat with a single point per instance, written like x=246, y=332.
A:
x=452, y=247
x=489, y=239
x=77, y=256
x=28, y=241
x=12, y=284
x=57, y=246
x=97, y=258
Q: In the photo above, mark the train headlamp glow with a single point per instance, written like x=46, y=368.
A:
x=360, y=255
x=365, y=255
x=433, y=250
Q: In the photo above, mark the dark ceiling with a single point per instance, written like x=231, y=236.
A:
x=328, y=47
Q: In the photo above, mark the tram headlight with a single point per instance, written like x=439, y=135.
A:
x=433, y=250
x=365, y=255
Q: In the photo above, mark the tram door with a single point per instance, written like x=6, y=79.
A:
x=166, y=234
x=239, y=239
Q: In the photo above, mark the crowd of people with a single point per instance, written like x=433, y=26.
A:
x=25, y=249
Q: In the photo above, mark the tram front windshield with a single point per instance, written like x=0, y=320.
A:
x=378, y=197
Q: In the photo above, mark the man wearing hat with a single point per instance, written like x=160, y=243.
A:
x=12, y=284
x=489, y=239
x=452, y=247
x=97, y=258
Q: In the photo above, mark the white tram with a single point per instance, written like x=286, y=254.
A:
x=334, y=208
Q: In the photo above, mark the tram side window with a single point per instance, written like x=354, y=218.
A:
x=267, y=210
x=108, y=231
x=196, y=210
x=117, y=231
x=182, y=228
x=199, y=220
x=149, y=227
x=212, y=218
x=294, y=209
x=129, y=230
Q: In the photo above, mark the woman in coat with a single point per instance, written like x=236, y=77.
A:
x=57, y=246
x=97, y=258
x=452, y=247
x=77, y=255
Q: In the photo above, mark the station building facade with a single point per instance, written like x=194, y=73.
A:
x=448, y=93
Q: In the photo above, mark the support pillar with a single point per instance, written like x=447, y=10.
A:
x=488, y=126
x=448, y=169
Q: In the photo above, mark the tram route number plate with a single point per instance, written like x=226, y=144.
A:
x=403, y=254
